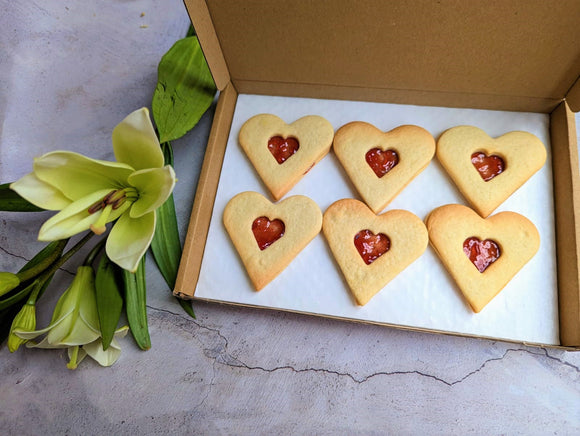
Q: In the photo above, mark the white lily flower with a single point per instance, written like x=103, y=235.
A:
x=90, y=193
x=75, y=324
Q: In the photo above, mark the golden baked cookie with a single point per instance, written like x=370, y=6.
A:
x=381, y=164
x=283, y=153
x=372, y=249
x=481, y=254
x=487, y=170
x=268, y=236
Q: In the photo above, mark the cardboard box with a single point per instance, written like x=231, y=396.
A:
x=516, y=55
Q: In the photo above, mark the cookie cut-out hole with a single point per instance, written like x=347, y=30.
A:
x=267, y=232
x=282, y=148
x=371, y=246
x=487, y=166
x=381, y=162
x=481, y=253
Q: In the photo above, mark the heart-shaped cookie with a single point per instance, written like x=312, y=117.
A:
x=268, y=236
x=372, y=249
x=487, y=170
x=282, y=153
x=482, y=255
x=381, y=164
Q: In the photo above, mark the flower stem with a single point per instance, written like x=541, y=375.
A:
x=72, y=364
x=65, y=257
x=94, y=252
x=42, y=279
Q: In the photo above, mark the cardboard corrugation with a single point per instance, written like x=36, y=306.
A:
x=521, y=55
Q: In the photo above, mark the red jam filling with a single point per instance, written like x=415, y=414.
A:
x=481, y=253
x=381, y=161
x=487, y=166
x=267, y=232
x=371, y=246
x=282, y=148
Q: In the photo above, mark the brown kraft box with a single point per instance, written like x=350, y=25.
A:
x=514, y=55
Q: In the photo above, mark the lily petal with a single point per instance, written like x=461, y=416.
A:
x=76, y=176
x=129, y=240
x=110, y=356
x=44, y=344
x=76, y=218
x=154, y=186
x=39, y=193
x=25, y=334
x=135, y=142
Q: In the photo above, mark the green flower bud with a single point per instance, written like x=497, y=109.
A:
x=25, y=320
x=8, y=281
x=75, y=325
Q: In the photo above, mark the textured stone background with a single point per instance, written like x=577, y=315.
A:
x=69, y=72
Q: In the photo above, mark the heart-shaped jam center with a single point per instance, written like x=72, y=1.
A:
x=481, y=253
x=282, y=148
x=381, y=161
x=371, y=246
x=267, y=232
x=487, y=166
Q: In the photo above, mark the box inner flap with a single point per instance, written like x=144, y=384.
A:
x=520, y=48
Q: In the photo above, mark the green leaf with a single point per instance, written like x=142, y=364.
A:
x=109, y=300
x=50, y=253
x=185, y=89
x=187, y=306
x=43, y=259
x=136, y=305
x=10, y=201
x=166, y=246
x=19, y=294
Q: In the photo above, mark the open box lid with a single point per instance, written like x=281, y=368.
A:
x=495, y=54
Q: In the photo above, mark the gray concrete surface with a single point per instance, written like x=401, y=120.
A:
x=69, y=72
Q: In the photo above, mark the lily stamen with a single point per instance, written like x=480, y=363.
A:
x=112, y=201
x=117, y=204
x=101, y=203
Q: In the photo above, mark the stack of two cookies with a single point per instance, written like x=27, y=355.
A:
x=372, y=249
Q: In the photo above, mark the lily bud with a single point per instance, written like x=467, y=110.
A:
x=8, y=281
x=25, y=321
x=75, y=324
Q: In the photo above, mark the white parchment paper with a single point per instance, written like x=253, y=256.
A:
x=423, y=295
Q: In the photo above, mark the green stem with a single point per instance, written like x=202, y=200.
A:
x=35, y=292
x=65, y=257
x=94, y=253
x=47, y=274
x=36, y=270
x=72, y=364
